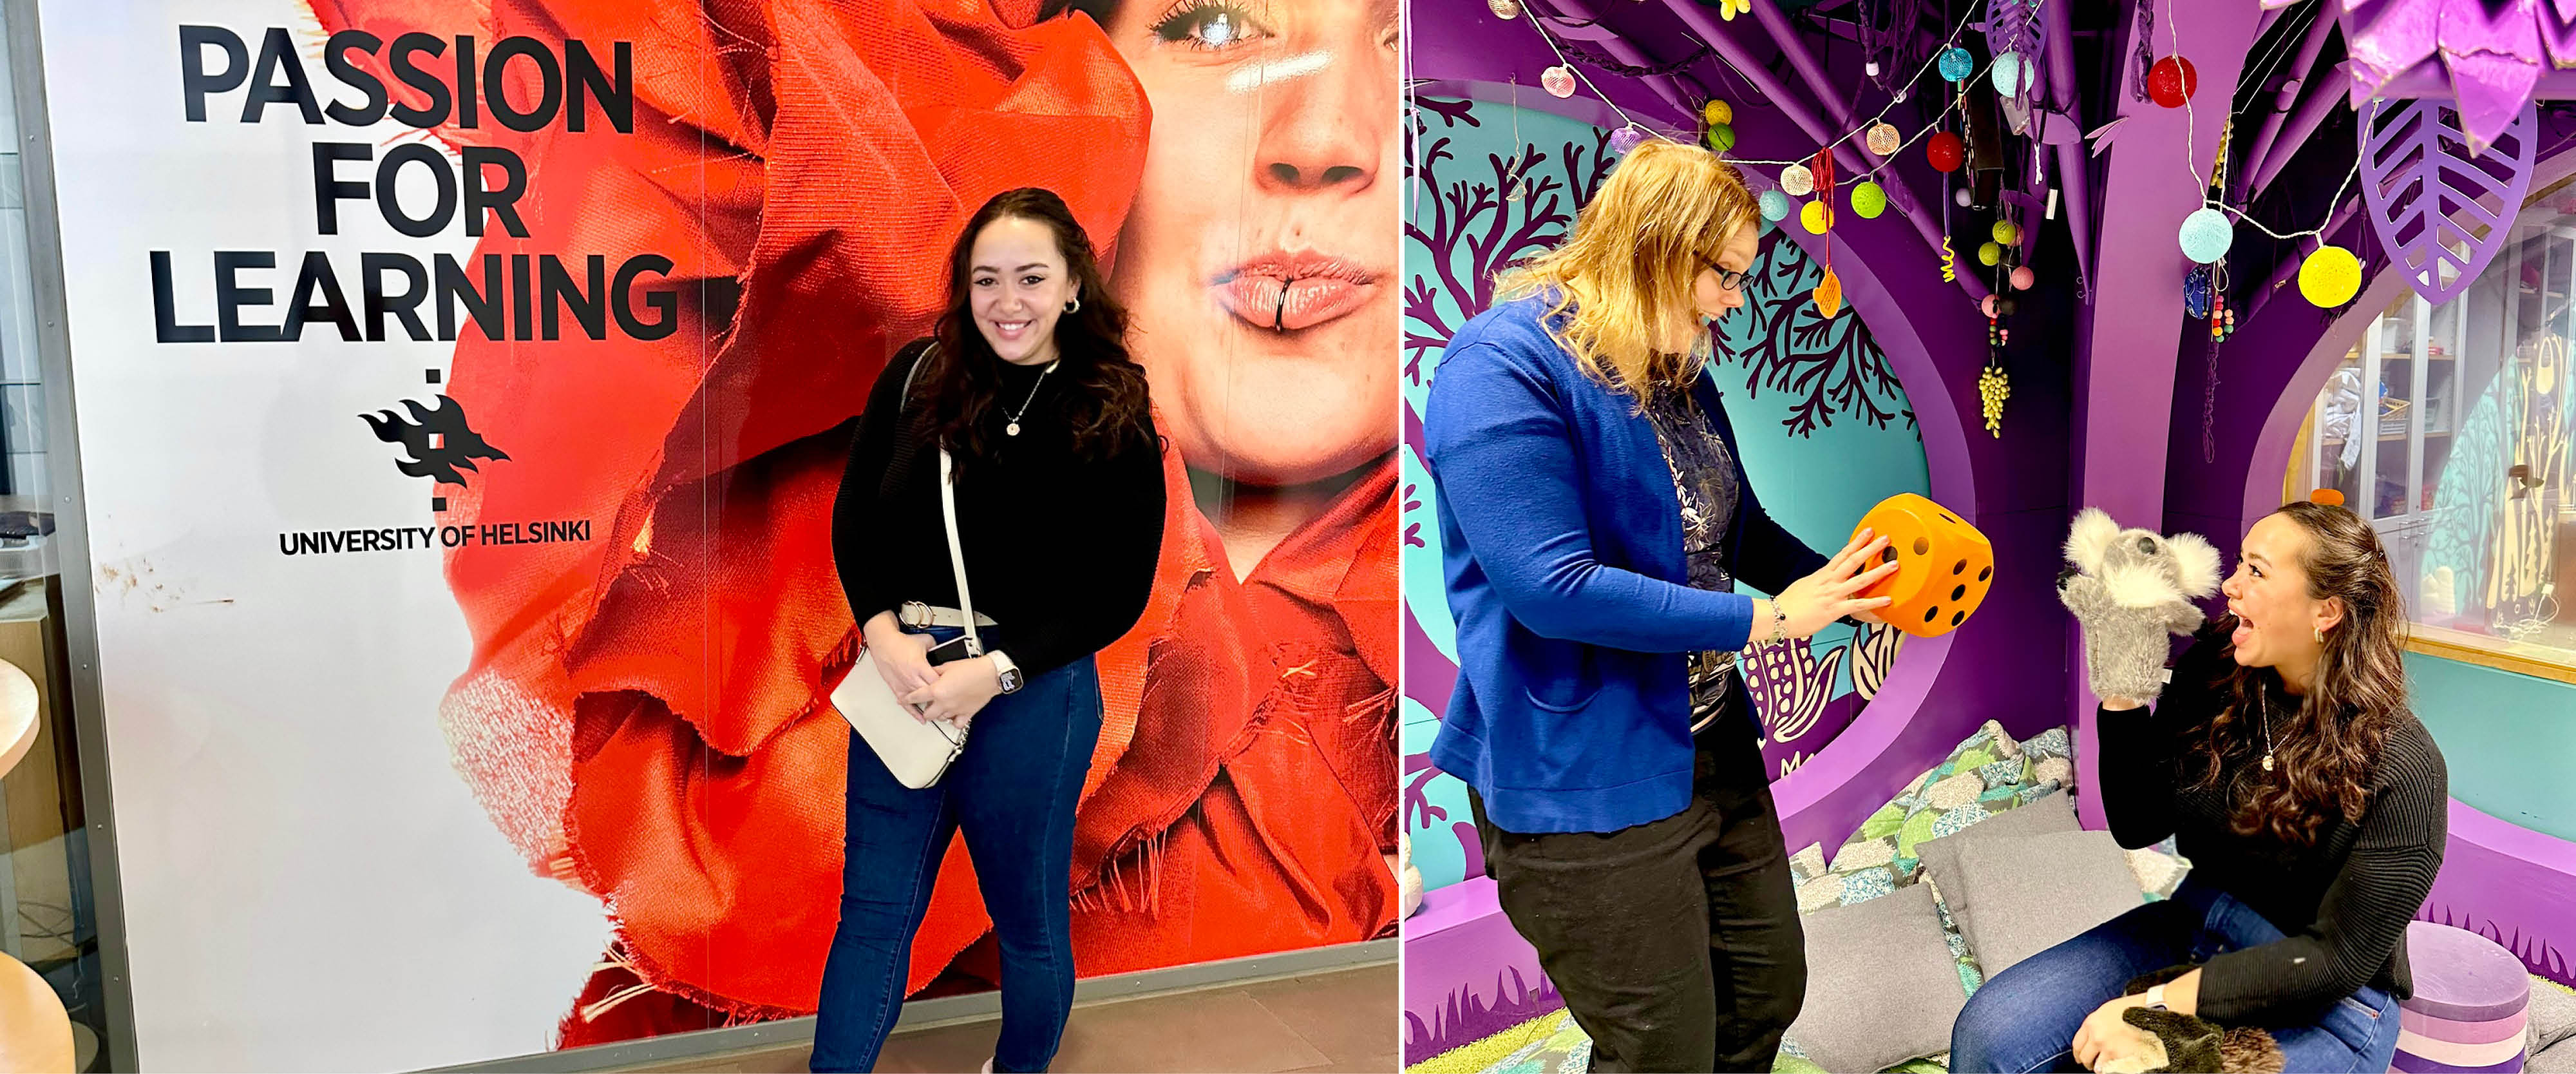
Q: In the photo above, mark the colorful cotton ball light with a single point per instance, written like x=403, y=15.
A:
x=1945, y=152
x=1956, y=64
x=1868, y=199
x=1817, y=216
x=2023, y=277
x=1883, y=139
x=1989, y=254
x=2007, y=232
x=1558, y=81
x=1962, y=198
x=2171, y=81
x=1797, y=181
x=1717, y=112
x=2013, y=73
x=1720, y=138
x=1775, y=205
x=2206, y=235
x=2330, y=276
x=1504, y=9
x=1626, y=139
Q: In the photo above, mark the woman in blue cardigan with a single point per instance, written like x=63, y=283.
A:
x=1594, y=518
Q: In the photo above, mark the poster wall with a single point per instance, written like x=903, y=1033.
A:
x=1825, y=429
x=462, y=390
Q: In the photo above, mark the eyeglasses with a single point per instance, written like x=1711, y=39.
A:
x=1730, y=280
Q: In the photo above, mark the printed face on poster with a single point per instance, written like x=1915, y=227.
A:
x=463, y=391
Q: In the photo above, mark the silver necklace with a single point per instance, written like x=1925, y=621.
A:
x=2263, y=701
x=1013, y=429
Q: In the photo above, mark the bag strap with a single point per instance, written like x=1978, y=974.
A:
x=956, y=551
x=948, y=513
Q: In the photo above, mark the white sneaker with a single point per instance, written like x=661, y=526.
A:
x=988, y=1066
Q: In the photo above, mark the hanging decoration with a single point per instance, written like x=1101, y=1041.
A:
x=2172, y=81
x=2330, y=276
x=2427, y=194
x=1990, y=254
x=2195, y=292
x=2023, y=278
x=1993, y=387
x=1944, y=152
x=1957, y=64
x=1962, y=197
x=1774, y=204
x=1797, y=181
x=1949, y=261
x=1889, y=32
x=2007, y=233
x=1883, y=139
x=2206, y=235
x=1720, y=138
x=1626, y=139
x=1505, y=10
x=1729, y=9
x=1816, y=216
x=1868, y=199
x=1558, y=81
x=1829, y=291
x=1717, y=112
x=2012, y=74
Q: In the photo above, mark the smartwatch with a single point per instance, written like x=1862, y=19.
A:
x=1008, y=672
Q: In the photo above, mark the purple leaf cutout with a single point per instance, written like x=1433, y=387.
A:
x=2441, y=210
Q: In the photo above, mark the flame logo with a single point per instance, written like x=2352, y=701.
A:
x=441, y=444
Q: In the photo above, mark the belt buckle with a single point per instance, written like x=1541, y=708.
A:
x=914, y=614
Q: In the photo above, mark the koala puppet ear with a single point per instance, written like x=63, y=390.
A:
x=2196, y=563
x=2091, y=537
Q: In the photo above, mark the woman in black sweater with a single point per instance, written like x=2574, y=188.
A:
x=2311, y=804
x=1027, y=383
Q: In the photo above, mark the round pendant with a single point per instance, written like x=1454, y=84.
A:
x=1012, y=429
x=2267, y=762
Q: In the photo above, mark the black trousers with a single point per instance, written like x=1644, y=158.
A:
x=1619, y=918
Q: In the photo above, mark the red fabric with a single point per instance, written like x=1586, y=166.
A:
x=642, y=715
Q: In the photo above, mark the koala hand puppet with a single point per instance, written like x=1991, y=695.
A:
x=2130, y=588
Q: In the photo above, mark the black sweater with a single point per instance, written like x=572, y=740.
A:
x=2342, y=904
x=1060, y=551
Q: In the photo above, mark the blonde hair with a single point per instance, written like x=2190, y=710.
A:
x=1631, y=264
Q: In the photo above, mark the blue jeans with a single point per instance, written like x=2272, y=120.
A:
x=2025, y=1018
x=1012, y=792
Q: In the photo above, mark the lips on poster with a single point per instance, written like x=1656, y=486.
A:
x=659, y=252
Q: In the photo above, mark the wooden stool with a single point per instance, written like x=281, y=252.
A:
x=35, y=1033
x=2472, y=1001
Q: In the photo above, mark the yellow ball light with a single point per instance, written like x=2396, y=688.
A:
x=2007, y=233
x=1989, y=254
x=1814, y=217
x=2330, y=276
x=1718, y=112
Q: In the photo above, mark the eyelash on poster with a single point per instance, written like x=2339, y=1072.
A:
x=1183, y=21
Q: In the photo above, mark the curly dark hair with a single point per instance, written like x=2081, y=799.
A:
x=1107, y=408
x=2326, y=754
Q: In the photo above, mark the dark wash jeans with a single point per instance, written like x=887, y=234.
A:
x=1676, y=942
x=2025, y=1018
x=1012, y=792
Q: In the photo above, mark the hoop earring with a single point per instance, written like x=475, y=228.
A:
x=1074, y=306
x=2321, y=635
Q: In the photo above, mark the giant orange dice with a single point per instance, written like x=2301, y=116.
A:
x=1943, y=565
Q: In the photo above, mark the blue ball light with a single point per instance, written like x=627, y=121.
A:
x=2206, y=235
x=1956, y=64
x=1775, y=205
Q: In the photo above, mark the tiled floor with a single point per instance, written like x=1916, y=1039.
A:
x=1341, y=1021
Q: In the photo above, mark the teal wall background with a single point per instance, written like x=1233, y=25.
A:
x=2508, y=739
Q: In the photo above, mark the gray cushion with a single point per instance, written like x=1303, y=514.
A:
x=1882, y=986
x=2030, y=893
x=2053, y=812
x=2553, y=1014
x=2559, y=1058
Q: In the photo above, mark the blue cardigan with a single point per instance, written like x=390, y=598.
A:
x=1562, y=546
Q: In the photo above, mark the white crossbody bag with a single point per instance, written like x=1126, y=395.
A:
x=915, y=750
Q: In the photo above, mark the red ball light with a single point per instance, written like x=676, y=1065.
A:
x=1945, y=151
x=2171, y=81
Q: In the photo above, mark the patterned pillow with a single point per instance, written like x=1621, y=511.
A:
x=1986, y=774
